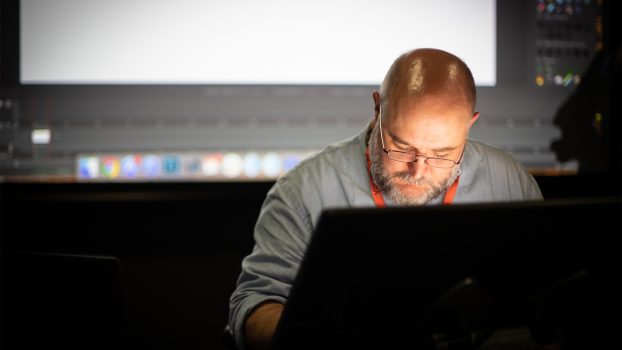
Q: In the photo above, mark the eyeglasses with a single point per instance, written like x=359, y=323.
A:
x=408, y=157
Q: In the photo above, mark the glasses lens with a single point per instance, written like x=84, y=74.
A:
x=440, y=163
x=409, y=157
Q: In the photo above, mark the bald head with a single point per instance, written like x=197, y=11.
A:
x=428, y=72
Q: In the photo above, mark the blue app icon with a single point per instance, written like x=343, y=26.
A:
x=151, y=166
x=88, y=167
x=129, y=166
x=171, y=165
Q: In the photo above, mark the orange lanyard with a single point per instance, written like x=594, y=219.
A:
x=377, y=195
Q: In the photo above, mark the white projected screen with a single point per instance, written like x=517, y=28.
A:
x=244, y=41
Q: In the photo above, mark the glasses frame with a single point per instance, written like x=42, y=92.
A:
x=416, y=156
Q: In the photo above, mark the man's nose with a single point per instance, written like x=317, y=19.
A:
x=418, y=167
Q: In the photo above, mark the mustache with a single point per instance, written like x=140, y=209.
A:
x=409, y=179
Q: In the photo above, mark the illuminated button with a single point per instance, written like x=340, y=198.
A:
x=252, y=165
x=151, y=166
x=130, y=166
x=550, y=7
x=232, y=165
x=110, y=167
x=568, y=79
x=88, y=167
x=41, y=136
x=271, y=165
x=192, y=165
x=211, y=164
x=171, y=165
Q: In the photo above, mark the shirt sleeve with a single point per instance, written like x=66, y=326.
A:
x=281, y=237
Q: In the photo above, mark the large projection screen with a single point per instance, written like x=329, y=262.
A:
x=245, y=42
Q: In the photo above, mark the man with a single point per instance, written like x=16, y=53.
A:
x=415, y=151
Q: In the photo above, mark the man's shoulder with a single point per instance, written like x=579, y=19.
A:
x=340, y=149
x=330, y=173
x=506, y=176
x=333, y=158
x=482, y=152
x=330, y=177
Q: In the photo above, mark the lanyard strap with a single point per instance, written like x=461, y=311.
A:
x=377, y=195
x=451, y=192
x=375, y=191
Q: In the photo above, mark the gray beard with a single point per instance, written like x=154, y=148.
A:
x=384, y=180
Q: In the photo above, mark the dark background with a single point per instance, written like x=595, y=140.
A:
x=180, y=245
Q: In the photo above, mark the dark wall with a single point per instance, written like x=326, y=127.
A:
x=180, y=245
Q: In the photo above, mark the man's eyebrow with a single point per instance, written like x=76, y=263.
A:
x=399, y=140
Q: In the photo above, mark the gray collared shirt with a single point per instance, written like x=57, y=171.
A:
x=338, y=177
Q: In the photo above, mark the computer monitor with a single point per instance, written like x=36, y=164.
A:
x=459, y=276
x=99, y=91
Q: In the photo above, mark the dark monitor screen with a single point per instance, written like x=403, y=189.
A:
x=463, y=275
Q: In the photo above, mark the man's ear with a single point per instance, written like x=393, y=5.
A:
x=376, y=96
x=473, y=119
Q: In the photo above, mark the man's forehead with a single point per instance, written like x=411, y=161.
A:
x=442, y=106
x=443, y=146
x=436, y=125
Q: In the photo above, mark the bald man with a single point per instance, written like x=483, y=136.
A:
x=415, y=151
